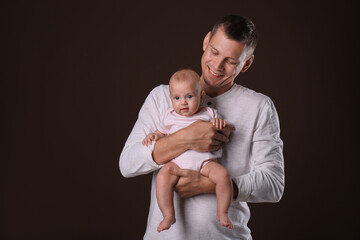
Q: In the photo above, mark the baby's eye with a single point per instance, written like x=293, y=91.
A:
x=176, y=98
x=189, y=97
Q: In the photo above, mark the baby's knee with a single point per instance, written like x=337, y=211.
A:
x=220, y=175
x=165, y=173
x=223, y=173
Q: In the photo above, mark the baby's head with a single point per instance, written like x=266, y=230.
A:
x=185, y=92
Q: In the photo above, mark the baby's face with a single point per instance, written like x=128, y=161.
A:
x=185, y=97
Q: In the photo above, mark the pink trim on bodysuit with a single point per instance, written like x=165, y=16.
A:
x=210, y=112
x=206, y=162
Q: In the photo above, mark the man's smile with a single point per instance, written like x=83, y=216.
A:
x=217, y=75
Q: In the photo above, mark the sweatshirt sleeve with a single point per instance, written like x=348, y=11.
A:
x=266, y=181
x=136, y=159
x=163, y=127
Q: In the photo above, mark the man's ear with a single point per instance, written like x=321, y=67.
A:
x=206, y=40
x=248, y=63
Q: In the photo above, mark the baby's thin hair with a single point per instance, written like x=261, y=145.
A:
x=185, y=74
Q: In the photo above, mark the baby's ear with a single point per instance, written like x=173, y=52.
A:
x=202, y=96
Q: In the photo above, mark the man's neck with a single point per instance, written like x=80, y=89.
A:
x=214, y=91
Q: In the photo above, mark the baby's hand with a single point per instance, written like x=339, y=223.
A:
x=149, y=139
x=218, y=123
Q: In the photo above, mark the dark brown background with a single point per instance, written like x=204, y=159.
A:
x=76, y=73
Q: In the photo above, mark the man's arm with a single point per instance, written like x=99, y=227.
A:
x=136, y=159
x=200, y=136
x=265, y=183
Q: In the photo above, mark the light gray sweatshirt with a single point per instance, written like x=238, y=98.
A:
x=253, y=158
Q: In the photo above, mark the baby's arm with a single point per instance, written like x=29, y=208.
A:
x=218, y=123
x=152, y=137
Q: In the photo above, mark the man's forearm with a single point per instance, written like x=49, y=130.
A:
x=200, y=136
x=169, y=147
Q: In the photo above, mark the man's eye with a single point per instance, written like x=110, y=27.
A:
x=189, y=97
x=231, y=62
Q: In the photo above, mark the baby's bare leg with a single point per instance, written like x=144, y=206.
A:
x=220, y=176
x=165, y=183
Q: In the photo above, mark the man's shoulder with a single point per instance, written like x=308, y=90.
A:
x=161, y=90
x=250, y=95
x=158, y=98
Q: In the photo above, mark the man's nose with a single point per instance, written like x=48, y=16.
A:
x=218, y=64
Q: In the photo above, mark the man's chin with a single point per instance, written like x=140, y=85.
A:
x=207, y=80
x=211, y=82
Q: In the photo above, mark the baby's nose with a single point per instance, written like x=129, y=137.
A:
x=183, y=101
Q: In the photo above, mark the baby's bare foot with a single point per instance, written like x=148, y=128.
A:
x=225, y=221
x=166, y=223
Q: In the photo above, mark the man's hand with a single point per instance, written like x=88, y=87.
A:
x=203, y=136
x=191, y=183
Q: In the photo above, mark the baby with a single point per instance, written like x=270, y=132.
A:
x=186, y=97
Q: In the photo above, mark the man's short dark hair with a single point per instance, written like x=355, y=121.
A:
x=238, y=28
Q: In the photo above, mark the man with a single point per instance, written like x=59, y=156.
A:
x=252, y=152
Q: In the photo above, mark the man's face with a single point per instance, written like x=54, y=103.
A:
x=185, y=97
x=222, y=61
